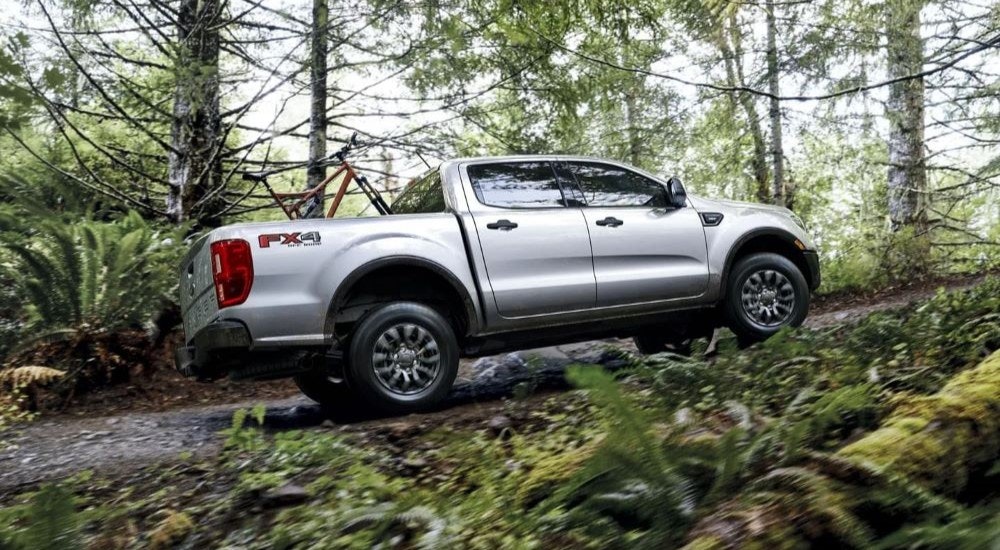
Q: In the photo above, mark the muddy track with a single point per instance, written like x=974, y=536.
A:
x=54, y=448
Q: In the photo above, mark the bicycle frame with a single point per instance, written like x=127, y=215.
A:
x=292, y=209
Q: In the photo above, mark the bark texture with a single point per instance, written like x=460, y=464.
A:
x=780, y=191
x=316, y=172
x=631, y=120
x=907, y=177
x=730, y=44
x=194, y=164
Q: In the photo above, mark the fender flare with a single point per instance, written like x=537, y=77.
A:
x=782, y=234
x=340, y=296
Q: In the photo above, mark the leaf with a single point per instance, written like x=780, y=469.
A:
x=53, y=77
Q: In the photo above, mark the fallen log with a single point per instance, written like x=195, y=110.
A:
x=929, y=445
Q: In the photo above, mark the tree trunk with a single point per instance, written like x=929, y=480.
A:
x=632, y=123
x=194, y=164
x=316, y=172
x=907, y=178
x=781, y=195
x=732, y=56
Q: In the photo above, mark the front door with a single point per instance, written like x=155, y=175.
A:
x=536, y=249
x=644, y=249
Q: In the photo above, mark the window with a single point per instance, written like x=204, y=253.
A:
x=516, y=185
x=606, y=185
x=423, y=196
x=574, y=197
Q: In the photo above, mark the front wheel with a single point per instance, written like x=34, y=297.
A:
x=403, y=357
x=764, y=293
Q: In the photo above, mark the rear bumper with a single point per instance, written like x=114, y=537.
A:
x=812, y=260
x=212, y=345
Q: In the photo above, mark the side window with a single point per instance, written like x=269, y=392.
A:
x=423, y=196
x=606, y=185
x=574, y=197
x=516, y=185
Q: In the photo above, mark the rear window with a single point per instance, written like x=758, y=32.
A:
x=423, y=196
x=516, y=185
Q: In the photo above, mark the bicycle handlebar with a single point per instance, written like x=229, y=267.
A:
x=341, y=155
x=351, y=143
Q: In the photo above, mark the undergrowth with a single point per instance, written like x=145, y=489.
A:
x=668, y=452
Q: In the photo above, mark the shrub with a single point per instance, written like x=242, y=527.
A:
x=85, y=291
x=92, y=276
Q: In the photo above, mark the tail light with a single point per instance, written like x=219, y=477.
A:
x=232, y=271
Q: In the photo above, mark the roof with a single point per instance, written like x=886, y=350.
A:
x=526, y=158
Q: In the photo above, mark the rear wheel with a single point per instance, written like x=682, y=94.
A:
x=764, y=293
x=403, y=357
x=324, y=388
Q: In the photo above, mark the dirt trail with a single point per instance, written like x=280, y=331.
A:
x=56, y=447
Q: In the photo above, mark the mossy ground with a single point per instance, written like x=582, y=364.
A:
x=848, y=436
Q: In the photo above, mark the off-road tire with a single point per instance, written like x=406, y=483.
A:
x=319, y=387
x=749, y=330
x=360, y=368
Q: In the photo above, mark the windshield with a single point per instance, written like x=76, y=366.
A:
x=423, y=196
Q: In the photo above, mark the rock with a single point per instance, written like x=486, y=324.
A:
x=414, y=463
x=328, y=424
x=287, y=495
x=400, y=431
x=498, y=424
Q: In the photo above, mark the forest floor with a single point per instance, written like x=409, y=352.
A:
x=131, y=427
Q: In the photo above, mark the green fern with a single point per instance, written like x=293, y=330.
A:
x=419, y=526
x=815, y=498
x=636, y=482
x=94, y=276
x=48, y=522
x=972, y=529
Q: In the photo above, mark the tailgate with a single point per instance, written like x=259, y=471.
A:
x=198, y=302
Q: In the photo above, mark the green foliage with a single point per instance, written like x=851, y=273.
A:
x=972, y=529
x=916, y=349
x=243, y=438
x=91, y=276
x=48, y=521
x=651, y=459
x=964, y=439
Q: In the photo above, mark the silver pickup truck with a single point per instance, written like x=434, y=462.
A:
x=480, y=256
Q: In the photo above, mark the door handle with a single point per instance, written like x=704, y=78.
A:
x=505, y=225
x=610, y=221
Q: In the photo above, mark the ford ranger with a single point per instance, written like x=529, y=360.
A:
x=480, y=256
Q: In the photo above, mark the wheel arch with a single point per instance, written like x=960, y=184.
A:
x=770, y=239
x=435, y=278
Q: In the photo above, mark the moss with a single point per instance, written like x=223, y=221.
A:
x=939, y=440
x=552, y=472
x=707, y=542
x=174, y=528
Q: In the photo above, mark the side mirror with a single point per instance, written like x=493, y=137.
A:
x=678, y=196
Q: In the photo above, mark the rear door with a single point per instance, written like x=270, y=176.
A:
x=644, y=250
x=536, y=249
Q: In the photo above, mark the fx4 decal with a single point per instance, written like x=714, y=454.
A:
x=289, y=239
